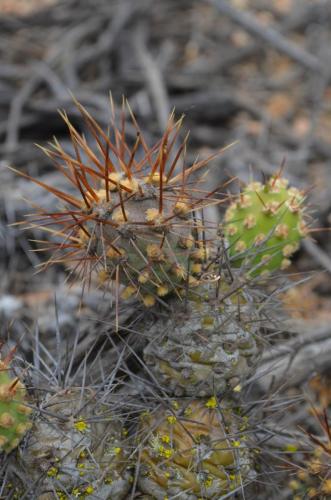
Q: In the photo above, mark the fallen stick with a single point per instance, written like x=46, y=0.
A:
x=153, y=77
x=269, y=35
x=296, y=366
x=319, y=256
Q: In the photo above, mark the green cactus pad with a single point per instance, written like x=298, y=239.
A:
x=14, y=414
x=264, y=225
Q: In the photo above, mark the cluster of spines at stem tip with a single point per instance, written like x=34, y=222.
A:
x=133, y=220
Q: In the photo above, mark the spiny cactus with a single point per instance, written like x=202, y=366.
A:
x=76, y=448
x=264, y=225
x=209, y=344
x=133, y=219
x=194, y=450
x=14, y=413
x=133, y=222
x=313, y=479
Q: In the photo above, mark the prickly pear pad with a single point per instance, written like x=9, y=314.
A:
x=14, y=414
x=264, y=225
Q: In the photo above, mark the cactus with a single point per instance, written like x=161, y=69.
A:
x=149, y=240
x=265, y=225
x=313, y=479
x=14, y=413
x=193, y=450
x=132, y=222
x=207, y=345
x=76, y=447
x=313, y=476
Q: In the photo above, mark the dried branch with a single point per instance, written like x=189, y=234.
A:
x=269, y=35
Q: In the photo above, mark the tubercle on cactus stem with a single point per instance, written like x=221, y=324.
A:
x=132, y=219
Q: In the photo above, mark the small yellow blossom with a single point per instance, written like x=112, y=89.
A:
x=208, y=482
x=52, y=472
x=211, y=403
x=294, y=485
x=81, y=425
x=237, y=388
x=61, y=495
x=164, y=452
x=171, y=419
x=291, y=447
x=149, y=300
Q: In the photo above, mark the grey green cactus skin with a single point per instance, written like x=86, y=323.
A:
x=196, y=449
x=76, y=450
x=14, y=413
x=264, y=226
x=205, y=348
